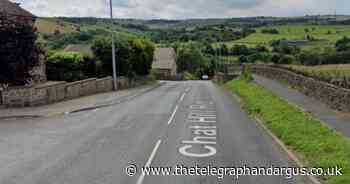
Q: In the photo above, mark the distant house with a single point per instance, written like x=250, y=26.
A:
x=164, y=63
x=294, y=42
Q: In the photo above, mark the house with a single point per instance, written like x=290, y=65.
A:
x=294, y=42
x=164, y=63
x=13, y=12
x=22, y=61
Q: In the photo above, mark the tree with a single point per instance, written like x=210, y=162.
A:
x=270, y=31
x=238, y=50
x=65, y=66
x=224, y=49
x=343, y=44
x=134, y=55
x=287, y=59
x=243, y=59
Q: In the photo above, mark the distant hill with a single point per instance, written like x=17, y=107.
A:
x=77, y=34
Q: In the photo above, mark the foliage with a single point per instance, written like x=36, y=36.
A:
x=238, y=50
x=287, y=49
x=134, y=55
x=190, y=58
x=243, y=59
x=189, y=76
x=270, y=31
x=317, y=143
x=19, y=53
x=246, y=75
x=65, y=66
x=287, y=59
x=343, y=44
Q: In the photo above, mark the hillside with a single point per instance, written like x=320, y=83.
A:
x=62, y=32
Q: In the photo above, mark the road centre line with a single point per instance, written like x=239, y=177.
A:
x=149, y=161
x=182, y=97
x=173, y=115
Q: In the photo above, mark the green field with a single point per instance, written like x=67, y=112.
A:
x=316, y=144
x=326, y=34
x=49, y=26
x=337, y=72
x=84, y=49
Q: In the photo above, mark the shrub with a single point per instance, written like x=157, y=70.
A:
x=243, y=59
x=270, y=31
x=287, y=49
x=134, y=55
x=287, y=59
x=343, y=44
x=275, y=58
x=238, y=50
x=65, y=66
x=310, y=58
x=189, y=76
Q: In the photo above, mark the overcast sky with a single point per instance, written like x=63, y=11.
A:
x=183, y=9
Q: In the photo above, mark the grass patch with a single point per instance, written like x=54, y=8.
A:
x=336, y=72
x=327, y=34
x=49, y=26
x=317, y=144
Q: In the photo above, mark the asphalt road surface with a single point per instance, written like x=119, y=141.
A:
x=181, y=125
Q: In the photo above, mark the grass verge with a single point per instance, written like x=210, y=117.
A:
x=308, y=137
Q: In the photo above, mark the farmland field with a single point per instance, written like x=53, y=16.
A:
x=326, y=34
x=337, y=72
x=84, y=49
x=49, y=26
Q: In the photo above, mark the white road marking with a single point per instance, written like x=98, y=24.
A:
x=150, y=159
x=95, y=110
x=182, y=97
x=173, y=115
x=188, y=89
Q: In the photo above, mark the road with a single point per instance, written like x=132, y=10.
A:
x=180, y=123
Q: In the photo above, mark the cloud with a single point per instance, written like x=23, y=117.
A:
x=182, y=9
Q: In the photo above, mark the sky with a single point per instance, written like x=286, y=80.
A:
x=184, y=9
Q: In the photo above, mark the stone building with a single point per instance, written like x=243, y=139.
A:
x=22, y=61
x=164, y=63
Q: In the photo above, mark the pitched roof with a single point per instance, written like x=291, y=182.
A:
x=164, y=58
x=10, y=8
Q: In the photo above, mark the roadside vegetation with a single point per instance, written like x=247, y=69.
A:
x=134, y=58
x=316, y=144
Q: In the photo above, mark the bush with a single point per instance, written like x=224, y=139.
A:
x=65, y=66
x=238, y=50
x=259, y=57
x=287, y=59
x=189, y=76
x=343, y=44
x=275, y=58
x=243, y=59
x=270, y=31
x=310, y=58
x=287, y=49
x=134, y=56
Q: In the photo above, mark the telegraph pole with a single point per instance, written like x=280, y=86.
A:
x=115, y=84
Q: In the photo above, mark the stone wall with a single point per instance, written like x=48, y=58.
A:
x=58, y=91
x=104, y=85
x=336, y=97
x=26, y=96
